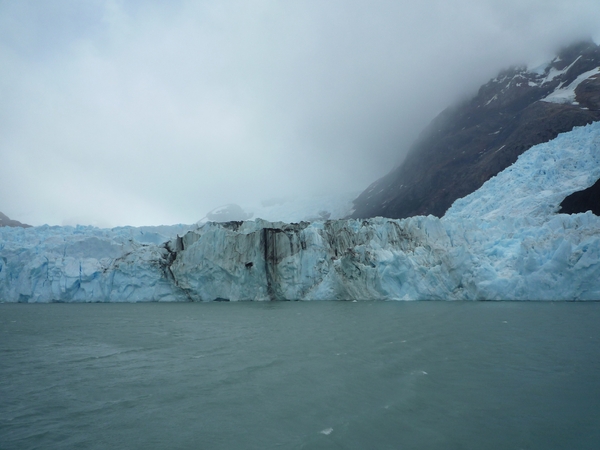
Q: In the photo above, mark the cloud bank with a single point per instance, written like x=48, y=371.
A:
x=149, y=112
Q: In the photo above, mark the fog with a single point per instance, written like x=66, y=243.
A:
x=149, y=112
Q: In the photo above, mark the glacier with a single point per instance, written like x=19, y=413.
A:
x=505, y=241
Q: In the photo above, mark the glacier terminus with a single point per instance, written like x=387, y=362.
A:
x=507, y=240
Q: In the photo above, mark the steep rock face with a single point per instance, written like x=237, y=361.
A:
x=583, y=201
x=467, y=145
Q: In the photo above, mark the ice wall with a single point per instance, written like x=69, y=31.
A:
x=419, y=258
x=504, y=241
x=333, y=260
x=86, y=264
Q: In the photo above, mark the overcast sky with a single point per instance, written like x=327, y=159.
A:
x=150, y=112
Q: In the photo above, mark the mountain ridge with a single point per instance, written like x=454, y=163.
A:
x=6, y=221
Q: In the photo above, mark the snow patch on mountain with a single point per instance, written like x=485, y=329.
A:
x=566, y=95
x=553, y=72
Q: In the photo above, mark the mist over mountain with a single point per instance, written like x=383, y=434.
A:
x=469, y=143
x=6, y=221
x=130, y=112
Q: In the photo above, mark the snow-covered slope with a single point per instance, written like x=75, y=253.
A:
x=504, y=241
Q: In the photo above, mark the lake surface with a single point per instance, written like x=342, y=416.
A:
x=302, y=375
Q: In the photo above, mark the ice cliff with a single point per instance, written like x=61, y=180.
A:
x=85, y=264
x=504, y=241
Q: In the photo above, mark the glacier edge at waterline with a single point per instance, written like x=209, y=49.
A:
x=504, y=241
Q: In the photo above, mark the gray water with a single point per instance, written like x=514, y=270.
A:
x=320, y=375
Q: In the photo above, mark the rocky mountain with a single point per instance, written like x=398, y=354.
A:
x=468, y=144
x=582, y=201
x=5, y=221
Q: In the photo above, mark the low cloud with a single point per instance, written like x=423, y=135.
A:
x=117, y=113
